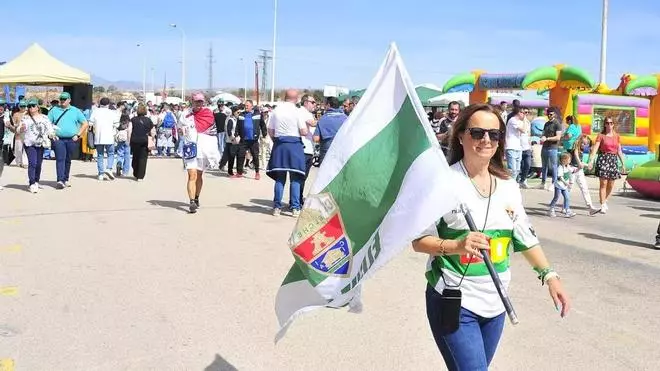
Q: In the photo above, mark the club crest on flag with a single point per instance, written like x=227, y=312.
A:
x=320, y=240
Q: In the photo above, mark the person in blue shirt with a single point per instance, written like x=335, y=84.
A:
x=70, y=124
x=573, y=132
x=328, y=125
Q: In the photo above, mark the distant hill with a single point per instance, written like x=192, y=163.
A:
x=121, y=85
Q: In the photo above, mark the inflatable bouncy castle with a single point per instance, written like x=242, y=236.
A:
x=634, y=105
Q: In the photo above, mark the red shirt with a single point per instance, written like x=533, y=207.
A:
x=608, y=144
x=204, y=119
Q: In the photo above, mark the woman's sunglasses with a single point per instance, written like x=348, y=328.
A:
x=479, y=133
x=31, y=105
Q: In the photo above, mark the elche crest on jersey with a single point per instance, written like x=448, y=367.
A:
x=319, y=238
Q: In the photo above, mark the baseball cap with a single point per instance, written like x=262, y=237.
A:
x=221, y=101
x=33, y=101
x=198, y=97
x=64, y=95
x=2, y=101
x=22, y=103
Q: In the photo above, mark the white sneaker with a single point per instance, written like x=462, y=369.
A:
x=277, y=212
x=551, y=213
x=569, y=214
x=110, y=175
x=604, y=208
x=548, y=187
x=295, y=213
x=39, y=186
x=33, y=188
x=1, y=188
x=67, y=184
x=101, y=178
x=524, y=185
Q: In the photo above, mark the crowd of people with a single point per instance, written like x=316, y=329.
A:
x=563, y=153
x=492, y=148
x=121, y=137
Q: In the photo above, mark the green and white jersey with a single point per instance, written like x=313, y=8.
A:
x=509, y=230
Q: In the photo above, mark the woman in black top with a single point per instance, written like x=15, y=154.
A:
x=140, y=131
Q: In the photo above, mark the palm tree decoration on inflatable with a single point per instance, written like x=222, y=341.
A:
x=561, y=81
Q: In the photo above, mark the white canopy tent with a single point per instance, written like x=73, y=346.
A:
x=36, y=67
x=226, y=97
x=444, y=99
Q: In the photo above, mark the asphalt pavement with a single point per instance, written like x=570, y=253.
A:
x=116, y=275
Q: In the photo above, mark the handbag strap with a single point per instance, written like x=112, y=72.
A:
x=59, y=118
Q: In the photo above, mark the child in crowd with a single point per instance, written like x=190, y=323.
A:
x=582, y=146
x=563, y=185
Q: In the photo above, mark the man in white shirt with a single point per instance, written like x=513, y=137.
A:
x=513, y=150
x=308, y=105
x=286, y=127
x=104, y=123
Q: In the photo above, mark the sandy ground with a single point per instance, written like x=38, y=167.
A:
x=117, y=276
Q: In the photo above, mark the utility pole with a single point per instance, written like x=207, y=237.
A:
x=603, y=43
x=211, y=61
x=265, y=57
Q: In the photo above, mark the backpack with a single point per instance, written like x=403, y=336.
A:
x=169, y=121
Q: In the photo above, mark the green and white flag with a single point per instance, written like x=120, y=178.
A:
x=382, y=183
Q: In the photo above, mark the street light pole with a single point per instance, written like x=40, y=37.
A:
x=144, y=71
x=183, y=60
x=272, y=74
x=603, y=43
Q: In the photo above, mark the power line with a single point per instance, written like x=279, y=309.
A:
x=211, y=61
x=265, y=58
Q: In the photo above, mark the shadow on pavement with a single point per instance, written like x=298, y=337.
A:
x=262, y=202
x=20, y=187
x=260, y=206
x=642, y=208
x=24, y=187
x=651, y=216
x=617, y=240
x=176, y=205
x=220, y=364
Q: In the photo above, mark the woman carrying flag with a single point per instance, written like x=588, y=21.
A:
x=464, y=309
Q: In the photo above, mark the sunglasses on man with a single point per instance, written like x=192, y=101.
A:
x=480, y=133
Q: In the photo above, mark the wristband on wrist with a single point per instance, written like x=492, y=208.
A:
x=545, y=273
x=548, y=276
x=442, y=247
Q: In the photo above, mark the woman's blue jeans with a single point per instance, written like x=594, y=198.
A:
x=473, y=345
x=548, y=159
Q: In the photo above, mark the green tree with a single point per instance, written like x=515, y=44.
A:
x=98, y=89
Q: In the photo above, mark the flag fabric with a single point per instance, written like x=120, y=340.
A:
x=382, y=183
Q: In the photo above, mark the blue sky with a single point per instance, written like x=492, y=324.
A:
x=339, y=43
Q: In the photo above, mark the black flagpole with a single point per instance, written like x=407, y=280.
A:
x=485, y=255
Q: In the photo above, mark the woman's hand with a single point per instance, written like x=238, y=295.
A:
x=559, y=296
x=472, y=244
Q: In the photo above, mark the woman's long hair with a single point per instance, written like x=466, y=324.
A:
x=496, y=166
